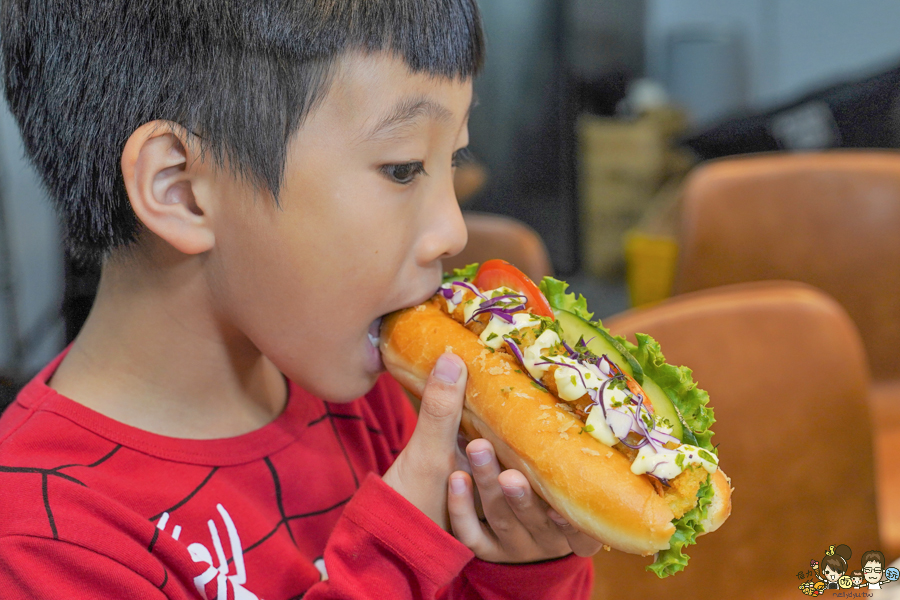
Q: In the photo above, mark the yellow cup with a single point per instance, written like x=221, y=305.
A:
x=650, y=263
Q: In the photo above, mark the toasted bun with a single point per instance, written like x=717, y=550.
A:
x=720, y=509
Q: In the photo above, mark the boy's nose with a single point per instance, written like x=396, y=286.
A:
x=458, y=233
x=448, y=234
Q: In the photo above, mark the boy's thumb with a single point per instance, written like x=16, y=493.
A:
x=442, y=402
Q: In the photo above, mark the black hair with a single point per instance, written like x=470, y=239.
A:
x=242, y=75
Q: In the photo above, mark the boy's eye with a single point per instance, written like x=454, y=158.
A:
x=403, y=173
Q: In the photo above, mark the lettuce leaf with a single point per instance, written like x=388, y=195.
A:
x=677, y=382
x=679, y=386
x=555, y=292
x=690, y=401
x=467, y=273
x=687, y=528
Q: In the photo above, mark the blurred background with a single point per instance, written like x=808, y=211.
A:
x=594, y=118
x=565, y=153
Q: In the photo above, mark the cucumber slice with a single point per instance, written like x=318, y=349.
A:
x=601, y=342
x=636, y=370
x=598, y=341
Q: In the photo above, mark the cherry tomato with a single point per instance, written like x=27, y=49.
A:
x=498, y=273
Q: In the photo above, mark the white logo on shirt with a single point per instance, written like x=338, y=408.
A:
x=320, y=565
x=201, y=554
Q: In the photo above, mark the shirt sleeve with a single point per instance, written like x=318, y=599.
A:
x=567, y=578
x=383, y=547
x=34, y=568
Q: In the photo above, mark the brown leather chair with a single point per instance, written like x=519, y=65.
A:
x=499, y=236
x=787, y=376
x=829, y=219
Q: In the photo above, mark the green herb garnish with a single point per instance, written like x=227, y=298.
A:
x=707, y=456
x=465, y=274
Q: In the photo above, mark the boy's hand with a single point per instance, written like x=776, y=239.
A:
x=421, y=470
x=520, y=526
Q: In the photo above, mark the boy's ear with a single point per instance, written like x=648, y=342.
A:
x=163, y=177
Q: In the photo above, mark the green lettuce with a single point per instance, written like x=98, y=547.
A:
x=677, y=382
x=687, y=528
x=690, y=401
x=466, y=273
x=679, y=386
x=554, y=291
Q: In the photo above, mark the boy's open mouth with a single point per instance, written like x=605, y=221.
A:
x=374, y=332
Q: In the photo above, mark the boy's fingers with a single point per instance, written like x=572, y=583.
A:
x=580, y=543
x=500, y=515
x=464, y=521
x=485, y=470
x=441, y=408
x=531, y=511
x=462, y=460
x=420, y=472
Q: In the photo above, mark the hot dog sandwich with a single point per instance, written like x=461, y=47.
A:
x=611, y=436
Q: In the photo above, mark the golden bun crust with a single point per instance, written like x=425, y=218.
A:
x=584, y=480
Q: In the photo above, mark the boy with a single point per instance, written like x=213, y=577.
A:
x=262, y=181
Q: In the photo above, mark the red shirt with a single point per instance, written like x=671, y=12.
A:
x=93, y=508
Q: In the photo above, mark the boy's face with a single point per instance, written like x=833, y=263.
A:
x=367, y=211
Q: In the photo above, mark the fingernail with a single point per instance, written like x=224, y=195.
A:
x=513, y=491
x=557, y=518
x=480, y=458
x=447, y=370
x=457, y=485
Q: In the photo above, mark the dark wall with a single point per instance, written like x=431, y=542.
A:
x=547, y=61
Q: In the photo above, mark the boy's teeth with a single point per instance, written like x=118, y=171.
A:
x=375, y=331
